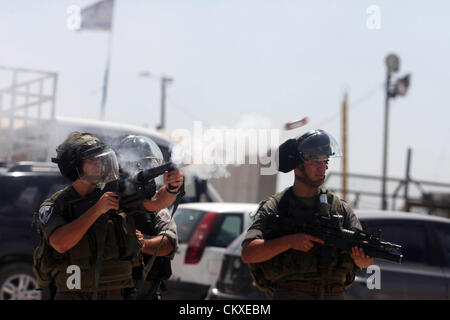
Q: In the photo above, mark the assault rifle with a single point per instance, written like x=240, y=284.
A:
x=328, y=229
x=133, y=189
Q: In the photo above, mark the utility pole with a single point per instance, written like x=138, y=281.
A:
x=164, y=81
x=407, y=177
x=344, y=146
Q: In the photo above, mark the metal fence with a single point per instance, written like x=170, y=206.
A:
x=405, y=194
x=27, y=98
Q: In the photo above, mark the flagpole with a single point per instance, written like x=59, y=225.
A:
x=99, y=16
x=106, y=77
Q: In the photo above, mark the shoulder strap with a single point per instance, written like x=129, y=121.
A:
x=281, y=199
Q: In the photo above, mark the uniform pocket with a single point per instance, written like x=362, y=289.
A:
x=81, y=254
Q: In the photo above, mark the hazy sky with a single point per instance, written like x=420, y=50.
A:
x=277, y=60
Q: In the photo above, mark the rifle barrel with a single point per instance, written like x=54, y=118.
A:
x=152, y=173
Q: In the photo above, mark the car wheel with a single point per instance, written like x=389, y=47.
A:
x=17, y=282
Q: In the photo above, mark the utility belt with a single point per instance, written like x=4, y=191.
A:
x=314, y=288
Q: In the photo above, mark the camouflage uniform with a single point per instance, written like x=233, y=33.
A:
x=121, y=250
x=294, y=274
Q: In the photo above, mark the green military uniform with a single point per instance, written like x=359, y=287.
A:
x=294, y=274
x=116, y=266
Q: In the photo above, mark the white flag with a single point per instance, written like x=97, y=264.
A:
x=98, y=16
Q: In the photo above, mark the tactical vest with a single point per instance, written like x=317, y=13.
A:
x=120, y=253
x=298, y=265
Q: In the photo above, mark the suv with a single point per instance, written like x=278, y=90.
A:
x=204, y=232
x=425, y=273
x=24, y=186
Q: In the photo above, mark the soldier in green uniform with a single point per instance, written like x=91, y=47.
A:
x=67, y=257
x=156, y=231
x=298, y=265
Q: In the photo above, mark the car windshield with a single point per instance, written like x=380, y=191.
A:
x=24, y=194
x=187, y=221
x=18, y=196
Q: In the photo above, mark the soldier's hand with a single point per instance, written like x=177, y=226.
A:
x=173, y=180
x=304, y=242
x=108, y=201
x=360, y=258
x=140, y=237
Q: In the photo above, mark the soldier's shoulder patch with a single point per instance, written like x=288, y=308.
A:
x=260, y=205
x=164, y=215
x=45, y=213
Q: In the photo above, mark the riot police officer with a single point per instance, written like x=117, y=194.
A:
x=155, y=228
x=299, y=265
x=68, y=240
x=88, y=246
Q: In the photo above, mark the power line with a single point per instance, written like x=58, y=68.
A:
x=185, y=111
x=353, y=105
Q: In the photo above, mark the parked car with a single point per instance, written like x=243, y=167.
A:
x=204, y=232
x=22, y=191
x=424, y=274
x=24, y=186
x=233, y=281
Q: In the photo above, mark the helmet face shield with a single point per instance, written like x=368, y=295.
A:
x=137, y=153
x=315, y=144
x=101, y=168
x=149, y=163
x=318, y=143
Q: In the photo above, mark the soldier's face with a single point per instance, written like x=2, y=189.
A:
x=315, y=170
x=317, y=166
x=92, y=169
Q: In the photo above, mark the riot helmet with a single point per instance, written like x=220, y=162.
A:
x=312, y=144
x=137, y=153
x=80, y=146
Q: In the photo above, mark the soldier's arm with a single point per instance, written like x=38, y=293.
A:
x=351, y=222
x=67, y=236
x=163, y=198
x=166, y=229
x=257, y=249
x=149, y=245
x=350, y=219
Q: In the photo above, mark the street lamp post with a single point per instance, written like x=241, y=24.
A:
x=164, y=82
x=400, y=88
